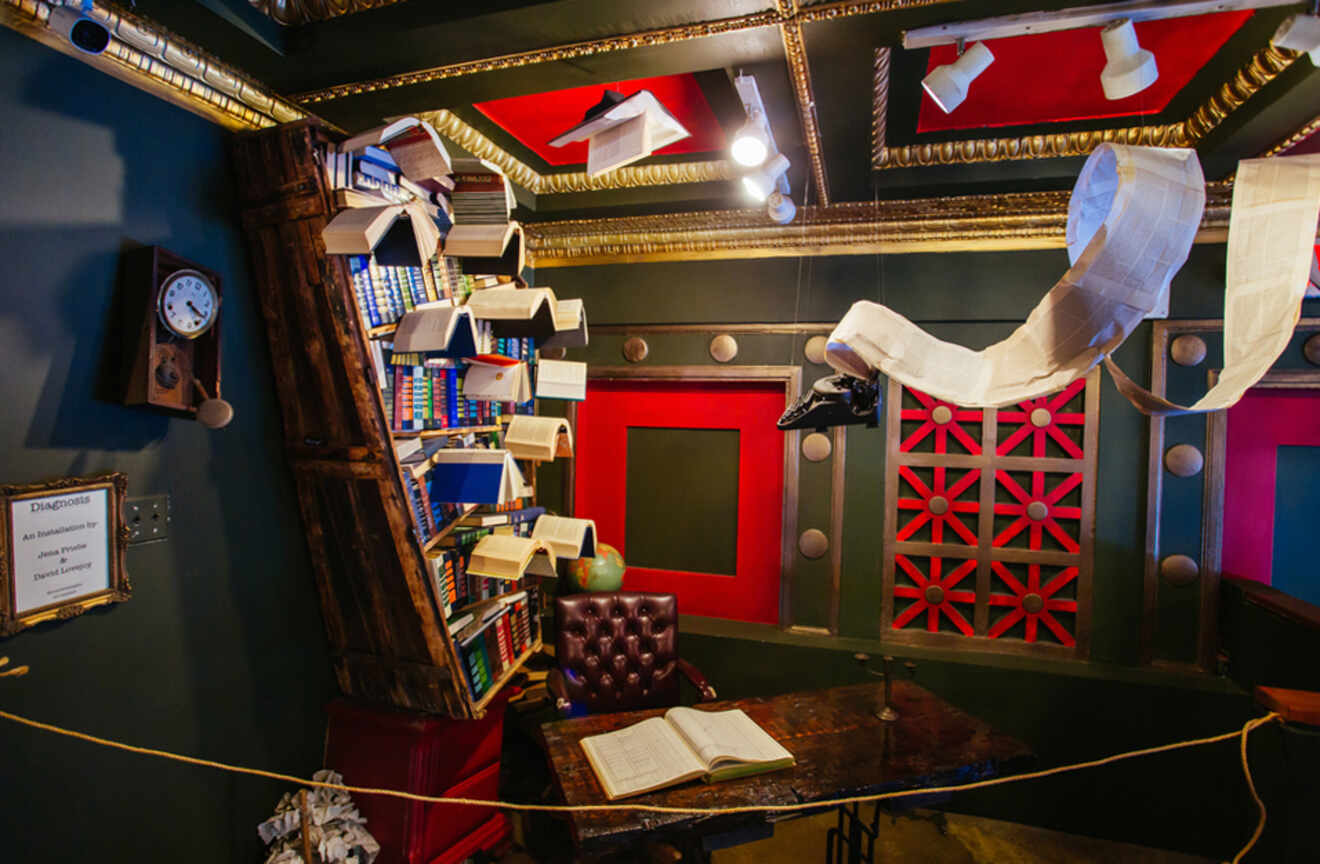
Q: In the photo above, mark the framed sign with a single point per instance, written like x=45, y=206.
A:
x=61, y=549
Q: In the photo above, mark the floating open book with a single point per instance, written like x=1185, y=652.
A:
x=543, y=438
x=507, y=556
x=566, y=536
x=561, y=379
x=516, y=312
x=438, y=328
x=474, y=476
x=360, y=230
x=414, y=145
x=682, y=745
x=570, y=325
x=496, y=378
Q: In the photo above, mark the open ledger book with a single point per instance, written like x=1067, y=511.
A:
x=682, y=745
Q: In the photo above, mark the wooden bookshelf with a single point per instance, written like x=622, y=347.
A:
x=388, y=638
x=434, y=542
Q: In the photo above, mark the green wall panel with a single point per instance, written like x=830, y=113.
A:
x=220, y=653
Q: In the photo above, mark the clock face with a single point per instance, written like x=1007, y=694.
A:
x=188, y=304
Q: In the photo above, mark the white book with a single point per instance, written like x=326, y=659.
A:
x=684, y=744
x=494, y=381
x=570, y=326
x=438, y=327
x=543, y=438
x=506, y=556
x=568, y=537
x=619, y=145
x=561, y=379
x=357, y=230
x=414, y=145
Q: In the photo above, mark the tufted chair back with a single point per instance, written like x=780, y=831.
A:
x=618, y=650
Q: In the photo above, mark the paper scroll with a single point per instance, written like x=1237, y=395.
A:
x=1131, y=220
x=1271, y=246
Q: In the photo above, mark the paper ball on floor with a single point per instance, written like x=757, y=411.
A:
x=602, y=573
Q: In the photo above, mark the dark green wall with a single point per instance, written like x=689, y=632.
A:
x=220, y=653
x=1066, y=710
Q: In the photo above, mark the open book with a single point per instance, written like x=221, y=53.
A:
x=414, y=144
x=561, y=379
x=507, y=556
x=566, y=536
x=682, y=745
x=438, y=327
x=544, y=438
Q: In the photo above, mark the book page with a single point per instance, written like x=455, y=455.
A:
x=543, y=438
x=725, y=736
x=477, y=241
x=648, y=755
x=510, y=303
x=564, y=534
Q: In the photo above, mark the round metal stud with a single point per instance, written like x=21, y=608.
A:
x=1179, y=570
x=723, y=348
x=1041, y=417
x=1184, y=460
x=942, y=414
x=1033, y=603
x=554, y=353
x=813, y=543
x=1037, y=510
x=635, y=349
x=934, y=595
x=814, y=350
x=1187, y=350
x=938, y=505
x=1311, y=350
x=816, y=447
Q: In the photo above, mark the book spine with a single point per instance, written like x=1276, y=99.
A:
x=397, y=418
x=451, y=396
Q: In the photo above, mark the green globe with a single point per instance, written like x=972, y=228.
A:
x=602, y=573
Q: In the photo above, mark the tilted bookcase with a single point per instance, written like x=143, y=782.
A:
x=389, y=642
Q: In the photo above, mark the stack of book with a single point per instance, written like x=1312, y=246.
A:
x=492, y=640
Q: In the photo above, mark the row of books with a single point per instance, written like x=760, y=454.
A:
x=423, y=398
x=386, y=294
x=497, y=643
x=430, y=514
x=456, y=588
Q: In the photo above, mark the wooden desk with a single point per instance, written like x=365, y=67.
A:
x=841, y=747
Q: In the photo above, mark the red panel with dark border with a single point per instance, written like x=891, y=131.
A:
x=752, y=593
x=1055, y=77
x=1258, y=425
x=537, y=118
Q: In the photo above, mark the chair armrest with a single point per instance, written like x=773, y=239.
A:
x=694, y=675
x=554, y=682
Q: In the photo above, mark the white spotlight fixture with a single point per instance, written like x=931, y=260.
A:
x=780, y=208
x=1300, y=33
x=1131, y=68
x=749, y=145
x=948, y=84
x=762, y=182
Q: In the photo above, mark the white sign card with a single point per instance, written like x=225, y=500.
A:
x=61, y=547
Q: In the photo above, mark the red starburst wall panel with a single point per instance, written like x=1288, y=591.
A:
x=990, y=522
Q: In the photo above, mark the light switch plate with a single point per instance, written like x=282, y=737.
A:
x=148, y=518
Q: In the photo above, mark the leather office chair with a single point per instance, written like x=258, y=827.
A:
x=618, y=651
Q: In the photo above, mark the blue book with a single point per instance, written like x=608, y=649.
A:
x=475, y=476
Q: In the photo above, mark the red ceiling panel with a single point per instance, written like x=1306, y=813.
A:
x=538, y=117
x=1055, y=77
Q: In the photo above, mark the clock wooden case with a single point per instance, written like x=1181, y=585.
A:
x=170, y=339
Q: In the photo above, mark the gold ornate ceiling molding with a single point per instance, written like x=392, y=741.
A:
x=149, y=57
x=452, y=127
x=1263, y=68
x=291, y=13
x=787, y=15
x=1294, y=139
x=1017, y=221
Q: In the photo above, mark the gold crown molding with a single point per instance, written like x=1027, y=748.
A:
x=569, y=51
x=291, y=13
x=786, y=10
x=151, y=58
x=452, y=127
x=1263, y=68
x=1016, y=221
x=795, y=51
x=1294, y=139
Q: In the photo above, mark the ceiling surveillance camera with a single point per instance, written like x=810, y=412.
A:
x=86, y=34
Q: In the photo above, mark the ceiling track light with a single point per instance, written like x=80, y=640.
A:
x=780, y=208
x=1130, y=68
x=754, y=142
x=1300, y=33
x=768, y=178
x=947, y=84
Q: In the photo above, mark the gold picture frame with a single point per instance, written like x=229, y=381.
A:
x=57, y=558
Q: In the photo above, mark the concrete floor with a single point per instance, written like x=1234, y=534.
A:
x=933, y=837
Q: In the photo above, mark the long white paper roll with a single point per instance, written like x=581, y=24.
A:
x=1132, y=217
x=1271, y=244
